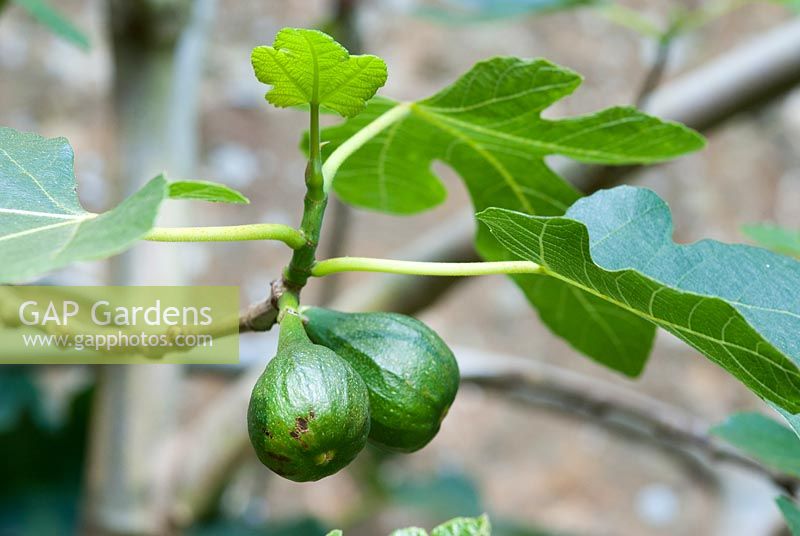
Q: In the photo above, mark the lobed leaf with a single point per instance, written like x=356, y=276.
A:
x=310, y=67
x=600, y=329
x=736, y=304
x=763, y=439
x=487, y=126
x=42, y=224
x=793, y=420
x=464, y=526
x=459, y=526
x=463, y=11
x=774, y=238
x=791, y=513
x=48, y=16
x=206, y=191
x=410, y=531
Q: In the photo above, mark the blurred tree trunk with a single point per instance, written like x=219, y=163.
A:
x=158, y=47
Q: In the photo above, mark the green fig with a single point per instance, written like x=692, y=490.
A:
x=309, y=411
x=411, y=374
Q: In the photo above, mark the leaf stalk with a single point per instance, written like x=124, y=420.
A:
x=260, y=231
x=451, y=269
x=359, y=139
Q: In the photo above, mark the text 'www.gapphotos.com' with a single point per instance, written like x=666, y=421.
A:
x=120, y=341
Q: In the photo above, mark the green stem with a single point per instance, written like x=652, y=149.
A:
x=299, y=270
x=291, y=324
x=259, y=231
x=363, y=264
x=359, y=139
x=314, y=180
x=288, y=300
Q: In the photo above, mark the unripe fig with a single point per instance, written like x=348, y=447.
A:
x=411, y=374
x=309, y=411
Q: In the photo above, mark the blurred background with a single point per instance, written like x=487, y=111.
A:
x=142, y=86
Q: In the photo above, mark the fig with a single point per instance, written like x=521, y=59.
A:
x=309, y=411
x=411, y=374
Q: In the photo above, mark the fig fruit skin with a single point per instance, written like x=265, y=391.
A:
x=309, y=411
x=411, y=374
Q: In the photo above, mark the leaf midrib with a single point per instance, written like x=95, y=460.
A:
x=315, y=82
x=35, y=214
x=541, y=146
x=495, y=100
x=34, y=230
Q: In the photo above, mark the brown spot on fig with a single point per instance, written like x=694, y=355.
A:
x=312, y=415
x=266, y=433
x=301, y=425
x=279, y=457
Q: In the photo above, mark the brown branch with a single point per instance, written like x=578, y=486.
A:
x=745, y=78
x=616, y=408
x=655, y=73
x=261, y=316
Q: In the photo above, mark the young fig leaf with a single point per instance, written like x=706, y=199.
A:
x=410, y=531
x=50, y=17
x=464, y=526
x=735, y=304
x=775, y=238
x=206, y=191
x=791, y=513
x=310, y=67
